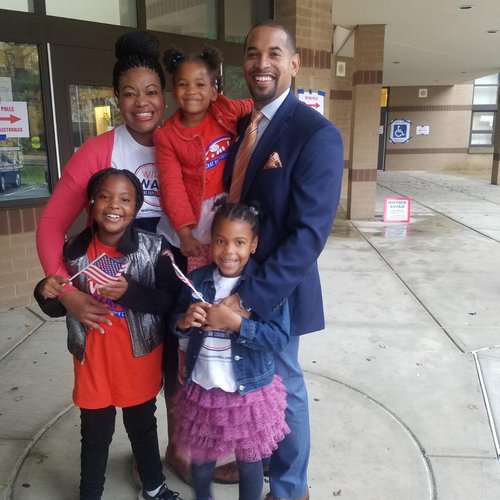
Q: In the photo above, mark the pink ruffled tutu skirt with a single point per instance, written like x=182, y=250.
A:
x=213, y=424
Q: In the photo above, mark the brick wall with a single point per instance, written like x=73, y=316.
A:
x=340, y=111
x=447, y=111
x=20, y=268
x=365, y=118
x=311, y=23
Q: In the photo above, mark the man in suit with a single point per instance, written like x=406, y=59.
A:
x=295, y=172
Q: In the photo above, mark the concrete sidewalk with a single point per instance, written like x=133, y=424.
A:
x=397, y=408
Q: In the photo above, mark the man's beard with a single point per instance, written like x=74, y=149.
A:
x=260, y=97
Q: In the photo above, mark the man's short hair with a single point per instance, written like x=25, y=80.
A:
x=290, y=37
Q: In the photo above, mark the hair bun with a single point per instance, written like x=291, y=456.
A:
x=172, y=57
x=212, y=55
x=137, y=42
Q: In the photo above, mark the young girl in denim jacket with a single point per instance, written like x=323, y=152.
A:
x=232, y=401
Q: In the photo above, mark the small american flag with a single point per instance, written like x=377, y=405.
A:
x=182, y=277
x=104, y=269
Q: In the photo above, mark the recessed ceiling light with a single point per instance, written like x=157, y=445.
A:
x=395, y=62
x=492, y=31
x=465, y=7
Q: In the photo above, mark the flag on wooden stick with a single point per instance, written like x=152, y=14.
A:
x=103, y=270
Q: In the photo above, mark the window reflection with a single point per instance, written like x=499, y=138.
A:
x=117, y=12
x=234, y=83
x=241, y=15
x=484, y=109
x=93, y=111
x=483, y=120
x=481, y=139
x=485, y=94
x=19, y=5
x=189, y=17
x=23, y=147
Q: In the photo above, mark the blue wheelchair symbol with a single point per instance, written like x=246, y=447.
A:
x=400, y=132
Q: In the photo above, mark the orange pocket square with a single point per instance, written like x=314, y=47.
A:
x=274, y=161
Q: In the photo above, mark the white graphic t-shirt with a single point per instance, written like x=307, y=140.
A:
x=128, y=154
x=214, y=366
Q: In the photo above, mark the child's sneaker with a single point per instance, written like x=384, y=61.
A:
x=163, y=494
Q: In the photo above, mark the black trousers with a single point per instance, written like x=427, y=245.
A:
x=170, y=356
x=97, y=428
x=249, y=487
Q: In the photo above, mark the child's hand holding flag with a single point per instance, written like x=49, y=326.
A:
x=52, y=286
x=106, y=272
x=103, y=270
x=182, y=277
x=115, y=289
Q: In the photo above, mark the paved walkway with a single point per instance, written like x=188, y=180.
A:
x=397, y=382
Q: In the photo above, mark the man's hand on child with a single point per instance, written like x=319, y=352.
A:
x=115, y=289
x=233, y=302
x=194, y=317
x=86, y=309
x=190, y=246
x=52, y=286
x=221, y=317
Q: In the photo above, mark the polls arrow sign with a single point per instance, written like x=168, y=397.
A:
x=11, y=118
x=315, y=105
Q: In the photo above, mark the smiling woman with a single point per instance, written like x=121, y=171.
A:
x=138, y=84
x=141, y=102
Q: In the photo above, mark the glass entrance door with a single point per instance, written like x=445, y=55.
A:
x=84, y=103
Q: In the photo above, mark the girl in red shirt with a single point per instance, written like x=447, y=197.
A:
x=121, y=367
x=191, y=150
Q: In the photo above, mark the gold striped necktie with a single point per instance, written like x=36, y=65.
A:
x=243, y=157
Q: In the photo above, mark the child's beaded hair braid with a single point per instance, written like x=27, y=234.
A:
x=210, y=57
x=238, y=211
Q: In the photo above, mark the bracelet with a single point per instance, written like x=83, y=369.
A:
x=242, y=307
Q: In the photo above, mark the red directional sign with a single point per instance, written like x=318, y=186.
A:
x=11, y=118
x=14, y=119
x=315, y=100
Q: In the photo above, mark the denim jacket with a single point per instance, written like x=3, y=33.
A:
x=252, y=349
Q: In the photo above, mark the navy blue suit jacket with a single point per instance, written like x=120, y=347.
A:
x=299, y=201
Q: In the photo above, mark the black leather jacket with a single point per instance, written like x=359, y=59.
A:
x=151, y=293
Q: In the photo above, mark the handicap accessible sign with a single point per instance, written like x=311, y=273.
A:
x=400, y=131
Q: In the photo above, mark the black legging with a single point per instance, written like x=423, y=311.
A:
x=97, y=428
x=250, y=484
